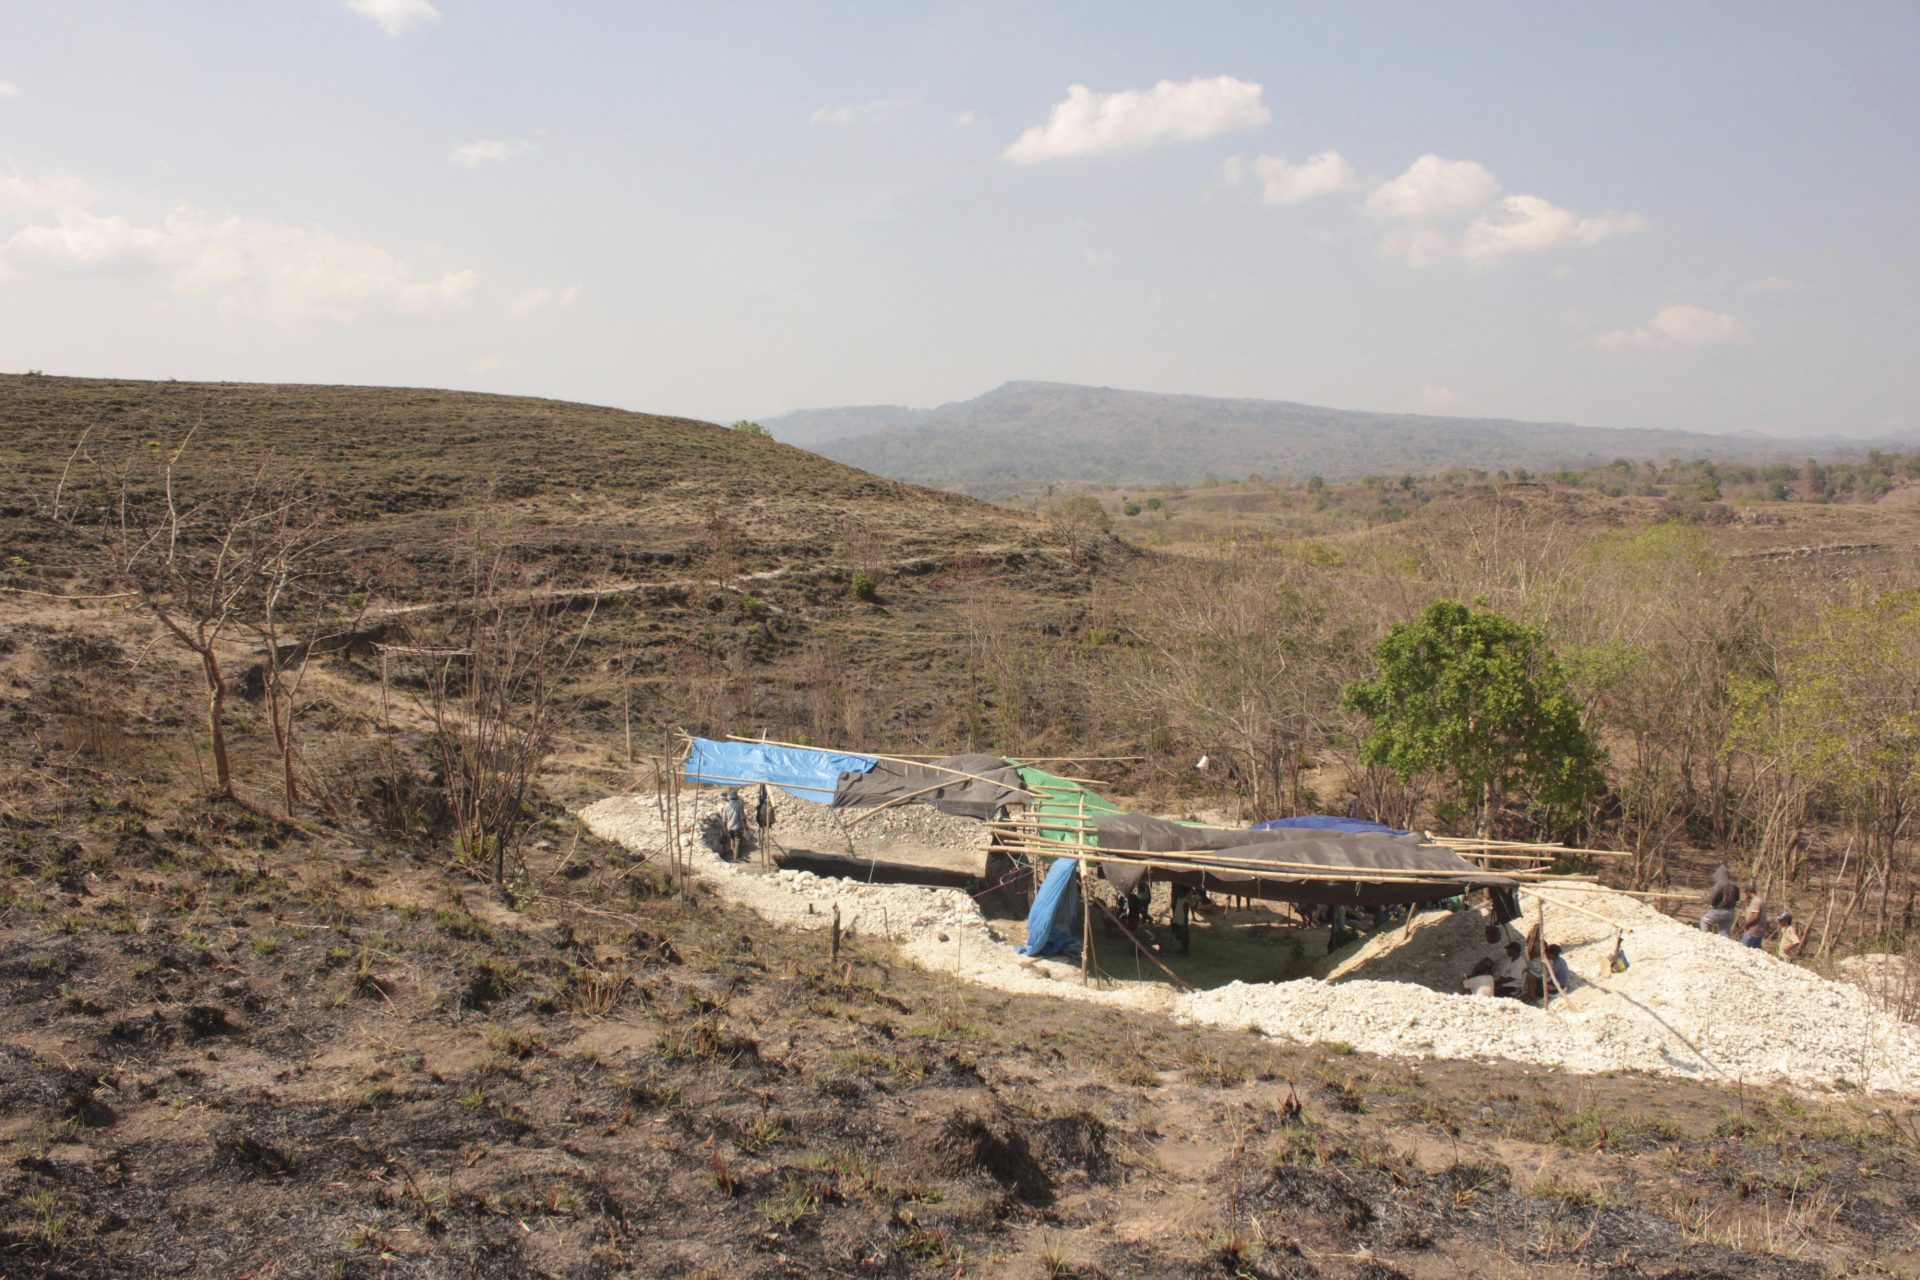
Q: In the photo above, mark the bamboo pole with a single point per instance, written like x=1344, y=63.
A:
x=704, y=779
x=1245, y=868
x=1476, y=842
x=1141, y=947
x=1546, y=985
x=1224, y=860
x=918, y=764
x=911, y=795
x=1591, y=915
x=1086, y=905
x=1039, y=760
x=1496, y=857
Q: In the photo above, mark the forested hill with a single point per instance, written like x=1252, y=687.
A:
x=1027, y=434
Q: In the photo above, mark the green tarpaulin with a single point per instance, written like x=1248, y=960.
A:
x=1057, y=798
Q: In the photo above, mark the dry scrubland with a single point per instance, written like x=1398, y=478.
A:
x=236, y=1043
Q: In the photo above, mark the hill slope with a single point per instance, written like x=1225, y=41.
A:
x=1025, y=434
x=728, y=558
x=406, y=463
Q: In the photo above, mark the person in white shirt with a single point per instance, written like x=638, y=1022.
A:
x=1480, y=982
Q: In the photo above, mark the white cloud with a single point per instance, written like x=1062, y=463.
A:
x=1432, y=188
x=1097, y=258
x=1088, y=123
x=874, y=109
x=1419, y=248
x=8, y=89
x=1676, y=327
x=536, y=299
x=1529, y=224
x=1324, y=174
x=23, y=193
x=1772, y=284
x=396, y=17
x=966, y=119
x=251, y=267
x=1439, y=397
x=79, y=240
x=471, y=155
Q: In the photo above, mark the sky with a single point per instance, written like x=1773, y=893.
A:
x=1697, y=216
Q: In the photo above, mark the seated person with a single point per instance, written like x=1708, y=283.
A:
x=1557, y=967
x=1480, y=982
x=1511, y=977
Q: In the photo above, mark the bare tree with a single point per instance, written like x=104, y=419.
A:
x=1079, y=521
x=200, y=564
x=496, y=699
x=325, y=609
x=1240, y=658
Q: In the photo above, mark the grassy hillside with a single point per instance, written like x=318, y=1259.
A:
x=405, y=465
x=723, y=561
x=1026, y=435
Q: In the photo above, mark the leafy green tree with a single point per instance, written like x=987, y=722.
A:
x=1474, y=696
x=747, y=428
x=1836, y=726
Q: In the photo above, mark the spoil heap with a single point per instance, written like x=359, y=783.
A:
x=1690, y=1004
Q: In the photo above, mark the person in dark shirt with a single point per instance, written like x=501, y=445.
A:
x=763, y=813
x=1723, y=898
x=1562, y=977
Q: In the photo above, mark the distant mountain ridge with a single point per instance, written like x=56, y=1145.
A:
x=809, y=428
x=1027, y=434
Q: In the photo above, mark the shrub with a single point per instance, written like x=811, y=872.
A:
x=864, y=587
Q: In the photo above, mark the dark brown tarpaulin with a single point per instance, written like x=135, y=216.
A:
x=1348, y=855
x=888, y=781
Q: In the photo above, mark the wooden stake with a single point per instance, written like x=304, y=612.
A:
x=1546, y=969
x=1086, y=904
x=833, y=941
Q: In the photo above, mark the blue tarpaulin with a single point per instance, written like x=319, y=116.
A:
x=804, y=772
x=1327, y=822
x=1050, y=923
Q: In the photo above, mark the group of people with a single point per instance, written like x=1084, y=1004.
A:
x=1724, y=917
x=1532, y=971
x=733, y=823
x=1135, y=912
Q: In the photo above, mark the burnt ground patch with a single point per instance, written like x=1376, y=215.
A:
x=286, y=1071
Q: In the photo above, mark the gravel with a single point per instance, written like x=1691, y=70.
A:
x=1690, y=1004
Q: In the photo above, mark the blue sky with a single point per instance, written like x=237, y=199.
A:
x=1695, y=216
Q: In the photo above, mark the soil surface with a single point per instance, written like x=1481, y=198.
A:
x=230, y=1047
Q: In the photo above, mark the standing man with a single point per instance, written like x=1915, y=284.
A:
x=763, y=824
x=733, y=826
x=1182, y=928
